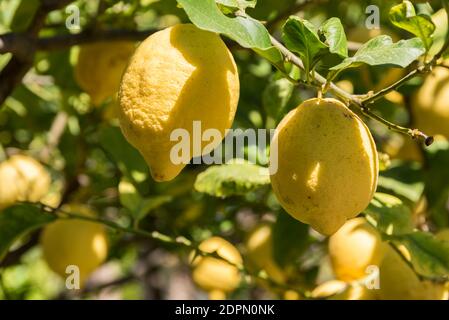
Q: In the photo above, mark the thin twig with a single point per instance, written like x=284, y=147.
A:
x=19, y=64
x=180, y=241
x=54, y=135
x=350, y=98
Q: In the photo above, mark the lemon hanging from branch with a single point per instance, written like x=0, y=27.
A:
x=177, y=76
x=324, y=164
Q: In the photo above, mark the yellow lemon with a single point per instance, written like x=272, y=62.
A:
x=217, y=295
x=340, y=290
x=323, y=164
x=353, y=248
x=213, y=274
x=22, y=178
x=100, y=67
x=259, y=247
x=429, y=104
x=74, y=242
x=398, y=281
x=178, y=76
x=292, y=295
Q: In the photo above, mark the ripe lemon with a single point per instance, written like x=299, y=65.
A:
x=340, y=290
x=212, y=274
x=324, y=164
x=291, y=295
x=177, y=76
x=22, y=178
x=100, y=67
x=429, y=104
x=74, y=242
x=398, y=281
x=259, y=247
x=353, y=248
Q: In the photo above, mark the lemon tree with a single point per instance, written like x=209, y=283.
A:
x=223, y=149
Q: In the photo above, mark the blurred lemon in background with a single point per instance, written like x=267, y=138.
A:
x=214, y=275
x=22, y=178
x=75, y=242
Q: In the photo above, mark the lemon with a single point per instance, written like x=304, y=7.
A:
x=177, y=76
x=100, y=67
x=74, y=242
x=353, y=248
x=291, y=295
x=398, y=281
x=340, y=290
x=213, y=274
x=22, y=178
x=323, y=164
x=429, y=104
x=259, y=247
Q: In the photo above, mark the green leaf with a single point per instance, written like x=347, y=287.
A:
x=437, y=181
x=301, y=36
x=237, y=4
x=129, y=195
x=429, y=256
x=404, y=180
x=128, y=159
x=276, y=96
x=274, y=56
x=333, y=31
x=249, y=33
x=439, y=19
x=404, y=16
x=23, y=15
x=18, y=220
x=138, y=206
x=290, y=239
x=382, y=51
x=235, y=178
x=390, y=214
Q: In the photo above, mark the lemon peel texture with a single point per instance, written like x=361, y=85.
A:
x=177, y=76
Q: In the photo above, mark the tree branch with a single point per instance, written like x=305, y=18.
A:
x=20, y=63
x=65, y=41
x=180, y=241
x=350, y=98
